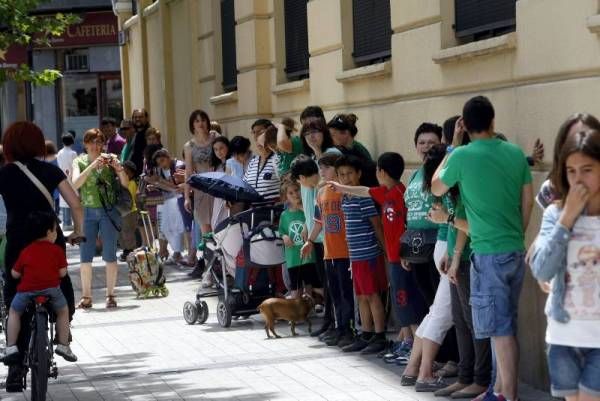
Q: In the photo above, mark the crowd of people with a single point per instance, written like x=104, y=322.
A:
x=449, y=246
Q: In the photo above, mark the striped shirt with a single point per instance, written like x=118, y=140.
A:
x=264, y=180
x=362, y=242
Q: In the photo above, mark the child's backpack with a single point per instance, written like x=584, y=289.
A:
x=145, y=268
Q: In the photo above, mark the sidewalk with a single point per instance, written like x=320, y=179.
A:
x=144, y=350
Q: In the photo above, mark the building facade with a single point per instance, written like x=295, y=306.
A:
x=394, y=63
x=87, y=54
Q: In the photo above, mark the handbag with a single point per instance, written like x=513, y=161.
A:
x=122, y=197
x=417, y=245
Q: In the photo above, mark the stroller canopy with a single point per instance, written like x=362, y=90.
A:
x=224, y=186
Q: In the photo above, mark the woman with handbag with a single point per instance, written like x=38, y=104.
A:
x=26, y=183
x=99, y=178
x=420, y=255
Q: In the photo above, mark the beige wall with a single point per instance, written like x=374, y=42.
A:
x=546, y=70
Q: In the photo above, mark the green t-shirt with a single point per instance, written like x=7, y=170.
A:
x=285, y=159
x=89, y=192
x=291, y=224
x=460, y=213
x=360, y=148
x=418, y=203
x=126, y=151
x=490, y=174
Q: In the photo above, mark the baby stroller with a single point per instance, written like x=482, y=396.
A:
x=243, y=257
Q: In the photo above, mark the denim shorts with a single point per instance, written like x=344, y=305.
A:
x=496, y=282
x=96, y=221
x=22, y=299
x=574, y=369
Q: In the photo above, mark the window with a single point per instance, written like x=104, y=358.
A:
x=228, y=45
x=480, y=19
x=296, y=39
x=134, y=7
x=372, y=31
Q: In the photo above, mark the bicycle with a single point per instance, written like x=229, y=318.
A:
x=39, y=357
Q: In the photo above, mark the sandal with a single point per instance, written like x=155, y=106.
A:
x=110, y=302
x=450, y=369
x=85, y=303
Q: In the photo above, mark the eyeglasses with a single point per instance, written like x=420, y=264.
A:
x=314, y=132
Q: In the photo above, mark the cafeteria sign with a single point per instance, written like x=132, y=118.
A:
x=96, y=28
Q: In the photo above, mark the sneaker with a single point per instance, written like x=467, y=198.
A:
x=358, y=345
x=15, y=380
x=377, y=344
x=345, y=340
x=333, y=340
x=491, y=396
x=402, y=360
x=331, y=332
x=65, y=352
x=11, y=355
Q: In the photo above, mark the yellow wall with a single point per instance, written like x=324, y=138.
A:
x=537, y=76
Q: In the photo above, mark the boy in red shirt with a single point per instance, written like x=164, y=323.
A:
x=410, y=307
x=40, y=267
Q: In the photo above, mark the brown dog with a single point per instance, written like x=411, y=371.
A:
x=292, y=310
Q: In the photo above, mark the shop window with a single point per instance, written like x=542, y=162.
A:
x=228, y=45
x=296, y=39
x=80, y=95
x=482, y=19
x=372, y=31
x=77, y=60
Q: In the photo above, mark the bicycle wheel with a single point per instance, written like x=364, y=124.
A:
x=39, y=359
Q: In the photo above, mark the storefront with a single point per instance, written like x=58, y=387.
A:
x=87, y=55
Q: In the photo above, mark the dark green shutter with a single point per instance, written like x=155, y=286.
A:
x=477, y=17
x=296, y=39
x=228, y=45
x=372, y=30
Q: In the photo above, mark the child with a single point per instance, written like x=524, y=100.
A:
x=301, y=269
x=129, y=221
x=153, y=136
x=329, y=216
x=567, y=251
x=409, y=305
x=220, y=153
x=306, y=172
x=65, y=159
x=40, y=267
x=171, y=222
x=240, y=156
x=364, y=235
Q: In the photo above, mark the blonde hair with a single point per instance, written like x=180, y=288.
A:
x=153, y=132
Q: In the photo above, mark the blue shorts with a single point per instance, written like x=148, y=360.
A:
x=496, y=282
x=96, y=221
x=22, y=299
x=573, y=370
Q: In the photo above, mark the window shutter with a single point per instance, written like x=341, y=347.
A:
x=228, y=45
x=475, y=17
x=296, y=39
x=372, y=30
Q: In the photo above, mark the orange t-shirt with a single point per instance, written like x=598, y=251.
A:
x=328, y=212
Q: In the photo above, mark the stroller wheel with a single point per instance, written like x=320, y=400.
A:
x=190, y=313
x=202, y=308
x=224, y=313
x=164, y=291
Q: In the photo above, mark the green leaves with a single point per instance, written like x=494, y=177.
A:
x=19, y=26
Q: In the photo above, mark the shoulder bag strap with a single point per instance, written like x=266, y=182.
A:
x=37, y=183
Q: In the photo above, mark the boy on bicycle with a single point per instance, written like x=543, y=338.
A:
x=40, y=267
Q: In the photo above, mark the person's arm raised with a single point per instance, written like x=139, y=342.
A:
x=284, y=142
x=362, y=192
